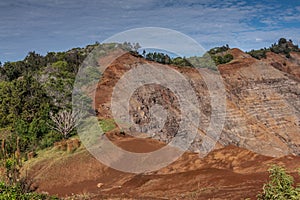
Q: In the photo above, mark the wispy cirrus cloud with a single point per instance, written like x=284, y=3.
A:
x=53, y=25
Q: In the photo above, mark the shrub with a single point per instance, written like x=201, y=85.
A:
x=204, y=61
x=283, y=46
x=183, y=62
x=258, y=54
x=49, y=139
x=280, y=186
x=216, y=50
x=15, y=192
x=222, y=59
x=219, y=55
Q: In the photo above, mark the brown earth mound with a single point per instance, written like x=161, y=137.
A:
x=226, y=173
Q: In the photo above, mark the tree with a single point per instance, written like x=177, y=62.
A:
x=136, y=46
x=64, y=122
x=282, y=41
x=144, y=53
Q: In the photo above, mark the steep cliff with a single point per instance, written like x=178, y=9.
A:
x=262, y=102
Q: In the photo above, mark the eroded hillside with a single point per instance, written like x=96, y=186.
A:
x=261, y=129
x=262, y=102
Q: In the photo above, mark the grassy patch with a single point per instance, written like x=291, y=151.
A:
x=49, y=156
x=107, y=125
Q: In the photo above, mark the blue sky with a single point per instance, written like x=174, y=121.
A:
x=59, y=25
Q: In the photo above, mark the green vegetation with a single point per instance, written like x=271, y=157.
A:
x=210, y=59
x=27, y=99
x=217, y=50
x=204, y=61
x=49, y=139
x=183, y=62
x=222, y=59
x=33, y=88
x=35, y=104
x=258, y=54
x=107, y=125
x=17, y=192
x=29, y=90
x=158, y=57
x=283, y=46
x=280, y=186
x=219, y=55
x=13, y=186
x=166, y=59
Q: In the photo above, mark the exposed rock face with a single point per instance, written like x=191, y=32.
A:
x=144, y=99
x=263, y=107
x=263, y=102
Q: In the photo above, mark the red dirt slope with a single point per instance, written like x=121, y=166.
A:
x=226, y=173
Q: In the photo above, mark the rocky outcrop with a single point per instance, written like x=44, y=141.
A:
x=263, y=107
x=262, y=102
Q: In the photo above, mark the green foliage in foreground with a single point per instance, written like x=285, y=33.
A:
x=16, y=193
x=280, y=186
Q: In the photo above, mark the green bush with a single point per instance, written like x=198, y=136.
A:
x=204, y=61
x=166, y=59
x=258, y=54
x=183, y=62
x=158, y=57
x=280, y=186
x=217, y=50
x=217, y=55
x=222, y=59
x=16, y=193
x=49, y=139
x=283, y=46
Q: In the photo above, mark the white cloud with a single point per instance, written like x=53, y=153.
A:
x=64, y=24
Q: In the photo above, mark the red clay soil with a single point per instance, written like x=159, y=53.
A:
x=226, y=173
